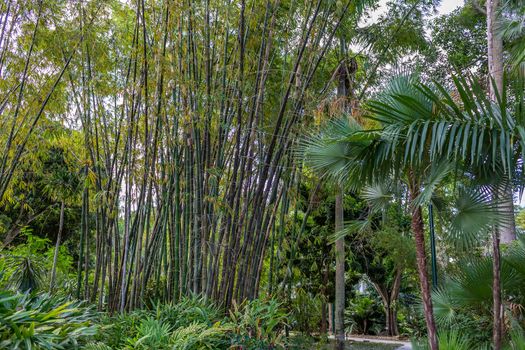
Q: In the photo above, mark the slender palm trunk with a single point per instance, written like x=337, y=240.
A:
x=57, y=247
x=496, y=295
x=506, y=232
x=339, y=274
x=418, y=230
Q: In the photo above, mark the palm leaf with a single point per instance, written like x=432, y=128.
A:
x=474, y=215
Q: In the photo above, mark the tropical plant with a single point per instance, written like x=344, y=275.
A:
x=43, y=322
x=61, y=183
x=357, y=156
x=306, y=311
x=259, y=323
x=363, y=316
x=193, y=324
x=453, y=340
x=25, y=265
x=481, y=135
x=463, y=303
x=151, y=334
x=189, y=310
x=512, y=30
x=200, y=336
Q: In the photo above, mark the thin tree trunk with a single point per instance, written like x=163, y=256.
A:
x=389, y=299
x=393, y=326
x=495, y=62
x=339, y=273
x=496, y=294
x=505, y=231
x=57, y=247
x=83, y=233
x=419, y=237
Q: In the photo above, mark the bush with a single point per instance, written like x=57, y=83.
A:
x=364, y=316
x=306, y=312
x=194, y=324
x=43, y=322
x=259, y=324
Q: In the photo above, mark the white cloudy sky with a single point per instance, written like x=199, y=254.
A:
x=445, y=7
x=448, y=6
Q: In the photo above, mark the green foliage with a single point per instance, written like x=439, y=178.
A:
x=26, y=265
x=151, y=334
x=520, y=219
x=188, y=311
x=460, y=39
x=97, y=346
x=412, y=320
x=453, y=340
x=198, y=336
x=464, y=302
x=259, y=324
x=306, y=311
x=43, y=322
x=363, y=315
x=194, y=324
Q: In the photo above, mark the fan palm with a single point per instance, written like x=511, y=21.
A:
x=482, y=136
x=357, y=157
x=469, y=291
x=420, y=129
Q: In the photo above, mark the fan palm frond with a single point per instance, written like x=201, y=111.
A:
x=378, y=196
x=438, y=172
x=351, y=227
x=474, y=215
x=334, y=151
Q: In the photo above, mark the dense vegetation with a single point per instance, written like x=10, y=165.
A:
x=253, y=174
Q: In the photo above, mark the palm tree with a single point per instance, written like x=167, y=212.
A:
x=418, y=127
x=468, y=292
x=358, y=157
x=483, y=136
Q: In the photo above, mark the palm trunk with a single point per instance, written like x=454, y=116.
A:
x=339, y=274
x=506, y=231
x=57, y=247
x=496, y=294
x=418, y=230
x=495, y=62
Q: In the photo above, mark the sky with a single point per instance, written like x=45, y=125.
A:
x=448, y=6
x=444, y=8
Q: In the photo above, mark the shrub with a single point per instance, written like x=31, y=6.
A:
x=259, y=324
x=198, y=336
x=194, y=324
x=364, y=316
x=43, y=321
x=306, y=312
